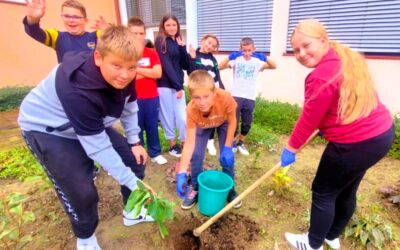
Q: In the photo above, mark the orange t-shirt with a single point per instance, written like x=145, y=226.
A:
x=224, y=104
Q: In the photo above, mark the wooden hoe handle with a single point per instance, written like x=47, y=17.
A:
x=209, y=222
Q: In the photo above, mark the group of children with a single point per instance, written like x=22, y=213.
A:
x=109, y=75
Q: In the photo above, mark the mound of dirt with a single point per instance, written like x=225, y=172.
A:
x=233, y=231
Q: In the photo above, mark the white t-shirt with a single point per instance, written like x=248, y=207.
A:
x=244, y=76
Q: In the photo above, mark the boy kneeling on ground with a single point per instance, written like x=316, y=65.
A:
x=209, y=108
x=67, y=123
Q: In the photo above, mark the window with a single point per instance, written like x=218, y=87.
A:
x=369, y=26
x=230, y=20
x=152, y=11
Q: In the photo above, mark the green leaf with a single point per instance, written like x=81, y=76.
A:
x=363, y=238
x=6, y=232
x=163, y=230
x=13, y=235
x=378, y=237
x=17, y=209
x=28, y=216
x=141, y=185
x=139, y=204
x=133, y=199
x=15, y=199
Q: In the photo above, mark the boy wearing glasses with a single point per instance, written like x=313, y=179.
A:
x=73, y=14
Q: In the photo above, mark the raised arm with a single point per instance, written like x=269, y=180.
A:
x=269, y=64
x=35, y=10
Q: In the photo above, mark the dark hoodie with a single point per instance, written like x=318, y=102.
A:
x=76, y=102
x=207, y=62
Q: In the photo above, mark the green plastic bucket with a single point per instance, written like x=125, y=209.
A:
x=214, y=187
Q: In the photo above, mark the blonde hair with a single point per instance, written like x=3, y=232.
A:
x=121, y=42
x=200, y=79
x=357, y=92
x=76, y=5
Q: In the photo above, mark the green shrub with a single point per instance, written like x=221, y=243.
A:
x=19, y=163
x=369, y=230
x=11, y=97
x=259, y=135
x=395, y=150
x=276, y=116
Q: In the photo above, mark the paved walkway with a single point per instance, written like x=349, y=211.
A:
x=10, y=133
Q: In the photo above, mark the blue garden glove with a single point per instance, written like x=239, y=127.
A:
x=287, y=157
x=226, y=158
x=260, y=56
x=181, y=185
x=234, y=55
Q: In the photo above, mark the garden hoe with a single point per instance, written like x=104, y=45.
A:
x=197, y=231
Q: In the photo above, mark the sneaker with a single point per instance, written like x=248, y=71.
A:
x=334, y=244
x=299, y=241
x=190, y=201
x=159, y=159
x=242, y=149
x=211, y=148
x=234, y=148
x=175, y=151
x=87, y=244
x=129, y=220
x=238, y=204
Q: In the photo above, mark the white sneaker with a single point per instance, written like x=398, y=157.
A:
x=211, y=148
x=334, y=244
x=299, y=241
x=129, y=220
x=242, y=149
x=87, y=244
x=159, y=159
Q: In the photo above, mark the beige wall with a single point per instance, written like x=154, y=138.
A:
x=25, y=61
x=286, y=83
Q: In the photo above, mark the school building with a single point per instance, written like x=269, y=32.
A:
x=369, y=26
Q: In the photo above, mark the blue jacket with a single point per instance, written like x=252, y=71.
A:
x=62, y=42
x=173, y=62
x=75, y=102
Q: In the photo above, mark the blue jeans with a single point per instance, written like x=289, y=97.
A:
x=148, y=122
x=202, y=136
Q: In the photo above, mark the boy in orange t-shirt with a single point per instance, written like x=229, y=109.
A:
x=209, y=108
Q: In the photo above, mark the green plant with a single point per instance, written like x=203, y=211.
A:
x=19, y=163
x=275, y=116
x=395, y=149
x=157, y=207
x=369, y=230
x=11, y=97
x=13, y=218
x=281, y=181
x=260, y=135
